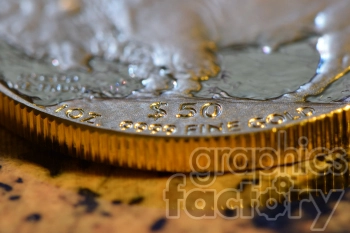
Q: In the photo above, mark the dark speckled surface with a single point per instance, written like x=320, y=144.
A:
x=42, y=191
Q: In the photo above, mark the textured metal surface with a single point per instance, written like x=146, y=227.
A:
x=89, y=119
x=246, y=73
x=141, y=110
x=327, y=129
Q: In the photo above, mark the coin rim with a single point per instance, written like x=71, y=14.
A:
x=154, y=152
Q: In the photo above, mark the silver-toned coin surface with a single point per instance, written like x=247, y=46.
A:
x=231, y=103
x=121, y=90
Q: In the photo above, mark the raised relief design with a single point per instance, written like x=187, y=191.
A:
x=182, y=57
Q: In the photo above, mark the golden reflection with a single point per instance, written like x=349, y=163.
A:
x=241, y=190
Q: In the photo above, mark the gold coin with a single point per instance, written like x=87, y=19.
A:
x=121, y=132
x=182, y=105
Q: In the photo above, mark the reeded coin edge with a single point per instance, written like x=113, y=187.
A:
x=173, y=154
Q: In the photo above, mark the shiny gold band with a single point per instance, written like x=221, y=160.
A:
x=172, y=153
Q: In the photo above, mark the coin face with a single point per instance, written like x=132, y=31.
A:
x=139, y=109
